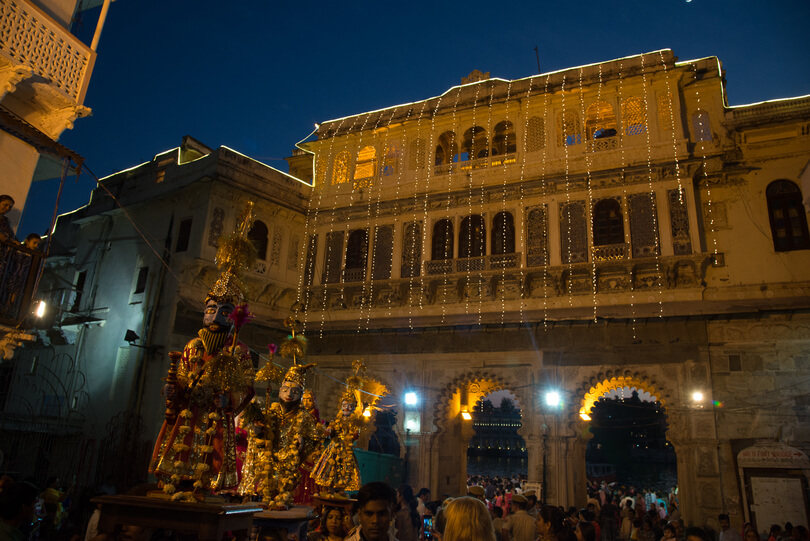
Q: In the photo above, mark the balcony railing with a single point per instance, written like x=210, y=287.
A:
x=354, y=275
x=473, y=264
x=478, y=163
x=32, y=38
x=610, y=252
x=603, y=143
x=19, y=268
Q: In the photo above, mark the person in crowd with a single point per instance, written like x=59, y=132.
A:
x=775, y=533
x=32, y=241
x=332, y=526
x=468, y=520
x=18, y=501
x=422, y=498
x=585, y=531
x=696, y=534
x=787, y=532
x=519, y=526
x=407, y=519
x=550, y=525
x=627, y=521
x=608, y=519
x=477, y=491
x=531, y=506
x=6, y=233
x=727, y=533
x=800, y=533
x=375, y=504
x=669, y=533
x=751, y=534
x=497, y=521
x=589, y=516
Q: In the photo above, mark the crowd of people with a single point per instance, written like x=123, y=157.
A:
x=493, y=509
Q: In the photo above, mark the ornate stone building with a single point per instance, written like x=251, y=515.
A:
x=610, y=225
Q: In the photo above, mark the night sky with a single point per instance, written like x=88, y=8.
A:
x=256, y=75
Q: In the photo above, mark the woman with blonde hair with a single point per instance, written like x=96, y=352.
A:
x=468, y=519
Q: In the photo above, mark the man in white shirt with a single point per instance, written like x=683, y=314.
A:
x=421, y=499
x=727, y=533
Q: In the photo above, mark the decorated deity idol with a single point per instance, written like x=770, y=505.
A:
x=307, y=488
x=209, y=384
x=337, y=470
x=296, y=437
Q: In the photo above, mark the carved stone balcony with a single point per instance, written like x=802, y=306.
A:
x=610, y=252
x=33, y=44
x=473, y=264
x=603, y=143
x=354, y=275
x=19, y=268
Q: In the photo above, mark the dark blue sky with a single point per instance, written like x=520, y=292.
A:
x=256, y=75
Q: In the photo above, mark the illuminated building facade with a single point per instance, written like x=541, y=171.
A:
x=600, y=227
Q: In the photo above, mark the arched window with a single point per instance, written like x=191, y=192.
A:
x=472, y=237
x=475, y=144
x=536, y=134
x=258, y=236
x=503, y=234
x=391, y=158
x=701, y=126
x=447, y=148
x=600, y=120
x=504, y=141
x=366, y=163
x=608, y=223
x=442, y=240
x=634, y=118
x=356, y=255
x=416, y=155
x=340, y=170
x=643, y=225
x=569, y=130
x=787, y=215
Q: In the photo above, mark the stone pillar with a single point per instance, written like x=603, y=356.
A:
x=534, y=449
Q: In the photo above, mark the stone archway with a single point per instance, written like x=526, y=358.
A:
x=448, y=443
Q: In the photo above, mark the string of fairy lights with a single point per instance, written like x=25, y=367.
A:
x=399, y=131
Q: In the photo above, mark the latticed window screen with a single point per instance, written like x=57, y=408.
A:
x=643, y=225
x=503, y=233
x=788, y=217
x=320, y=170
x=356, y=256
x=634, y=117
x=569, y=130
x=573, y=232
x=340, y=170
x=679, y=218
x=701, y=126
x=442, y=247
x=383, y=252
x=309, y=265
x=416, y=156
x=390, y=159
x=599, y=118
x=536, y=134
x=333, y=257
x=666, y=117
x=472, y=237
x=411, y=250
x=537, y=237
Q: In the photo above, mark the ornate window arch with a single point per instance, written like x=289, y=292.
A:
x=472, y=237
x=608, y=223
x=442, y=247
x=365, y=167
x=503, y=234
x=475, y=144
x=537, y=237
x=600, y=120
x=787, y=216
x=573, y=232
x=446, y=149
x=356, y=255
x=390, y=158
x=258, y=236
x=504, y=141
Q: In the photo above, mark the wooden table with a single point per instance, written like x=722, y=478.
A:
x=284, y=525
x=207, y=521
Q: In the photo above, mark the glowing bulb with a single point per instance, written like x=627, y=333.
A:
x=410, y=399
x=553, y=398
x=41, y=309
x=697, y=396
x=410, y=424
x=466, y=415
x=584, y=415
x=367, y=413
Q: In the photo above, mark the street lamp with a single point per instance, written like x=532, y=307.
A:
x=411, y=399
x=553, y=398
